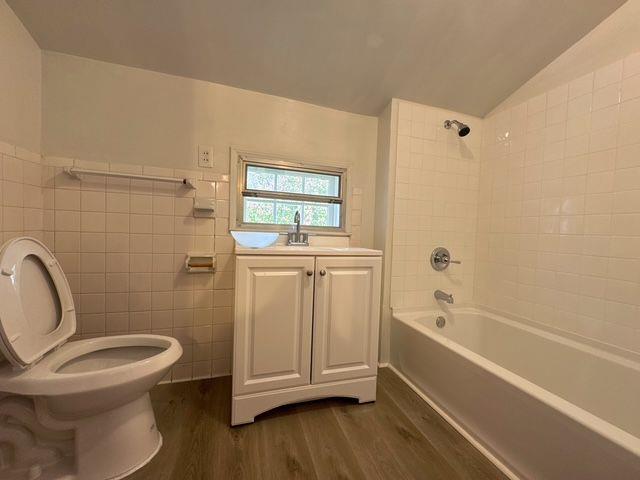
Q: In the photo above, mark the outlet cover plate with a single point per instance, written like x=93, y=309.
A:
x=205, y=156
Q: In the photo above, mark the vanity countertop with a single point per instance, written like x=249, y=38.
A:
x=315, y=251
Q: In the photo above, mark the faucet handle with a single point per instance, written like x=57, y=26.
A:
x=445, y=258
x=441, y=258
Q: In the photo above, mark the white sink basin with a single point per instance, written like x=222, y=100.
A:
x=254, y=239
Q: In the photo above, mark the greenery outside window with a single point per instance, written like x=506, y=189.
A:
x=270, y=192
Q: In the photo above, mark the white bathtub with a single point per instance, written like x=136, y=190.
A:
x=540, y=405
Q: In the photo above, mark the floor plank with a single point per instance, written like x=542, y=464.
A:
x=332, y=452
x=409, y=446
x=468, y=462
x=398, y=437
x=282, y=445
x=369, y=441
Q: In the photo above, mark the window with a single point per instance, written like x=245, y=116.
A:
x=270, y=192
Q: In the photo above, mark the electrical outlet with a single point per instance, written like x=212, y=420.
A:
x=205, y=156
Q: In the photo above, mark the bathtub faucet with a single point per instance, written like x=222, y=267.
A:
x=440, y=295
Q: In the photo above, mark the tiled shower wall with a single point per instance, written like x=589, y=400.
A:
x=559, y=214
x=435, y=204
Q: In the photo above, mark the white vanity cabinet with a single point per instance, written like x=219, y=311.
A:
x=274, y=300
x=345, y=318
x=306, y=327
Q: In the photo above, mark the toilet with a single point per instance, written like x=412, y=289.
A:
x=73, y=410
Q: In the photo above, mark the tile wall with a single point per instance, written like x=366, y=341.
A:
x=435, y=204
x=122, y=245
x=559, y=207
x=21, y=199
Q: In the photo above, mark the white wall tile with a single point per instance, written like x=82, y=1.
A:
x=582, y=265
x=122, y=245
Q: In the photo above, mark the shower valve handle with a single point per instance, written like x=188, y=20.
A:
x=448, y=260
x=441, y=259
x=445, y=259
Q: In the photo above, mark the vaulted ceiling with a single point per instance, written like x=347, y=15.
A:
x=351, y=55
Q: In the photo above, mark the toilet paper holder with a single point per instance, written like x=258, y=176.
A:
x=197, y=262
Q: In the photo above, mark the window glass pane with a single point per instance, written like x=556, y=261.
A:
x=259, y=211
x=261, y=179
x=282, y=212
x=273, y=179
x=318, y=214
x=286, y=211
x=290, y=183
x=327, y=185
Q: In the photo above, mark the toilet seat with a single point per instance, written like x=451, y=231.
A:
x=46, y=378
x=37, y=313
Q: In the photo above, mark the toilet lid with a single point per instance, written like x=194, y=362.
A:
x=36, y=306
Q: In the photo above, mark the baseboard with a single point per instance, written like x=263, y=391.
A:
x=383, y=364
x=194, y=379
x=459, y=427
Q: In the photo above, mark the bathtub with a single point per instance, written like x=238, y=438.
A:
x=538, y=404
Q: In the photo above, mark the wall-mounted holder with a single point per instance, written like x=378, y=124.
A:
x=200, y=262
x=204, y=207
x=440, y=259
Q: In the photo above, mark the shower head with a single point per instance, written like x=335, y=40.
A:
x=463, y=129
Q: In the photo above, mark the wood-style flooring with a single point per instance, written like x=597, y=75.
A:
x=397, y=437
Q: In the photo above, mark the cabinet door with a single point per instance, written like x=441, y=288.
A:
x=273, y=317
x=346, y=318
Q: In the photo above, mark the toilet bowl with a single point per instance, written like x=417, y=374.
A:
x=69, y=409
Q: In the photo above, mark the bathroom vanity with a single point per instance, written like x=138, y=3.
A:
x=306, y=326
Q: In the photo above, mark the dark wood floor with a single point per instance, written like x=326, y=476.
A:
x=397, y=437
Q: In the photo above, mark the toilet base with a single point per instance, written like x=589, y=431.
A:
x=115, y=443
x=138, y=467
x=110, y=445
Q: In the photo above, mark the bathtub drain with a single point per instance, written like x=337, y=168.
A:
x=440, y=321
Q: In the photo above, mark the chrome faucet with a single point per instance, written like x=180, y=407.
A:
x=296, y=220
x=297, y=238
x=440, y=295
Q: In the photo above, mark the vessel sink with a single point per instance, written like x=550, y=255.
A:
x=254, y=239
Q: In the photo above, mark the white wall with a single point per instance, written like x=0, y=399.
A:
x=435, y=204
x=122, y=244
x=614, y=38
x=99, y=111
x=20, y=126
x=20, y=83
x=559, y=223
x=383, y=238
x=569, y=146
x=427, y=197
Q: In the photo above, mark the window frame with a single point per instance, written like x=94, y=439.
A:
x=240, y=160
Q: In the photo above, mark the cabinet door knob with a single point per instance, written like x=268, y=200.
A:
x=309, y=273
x=323, y=273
